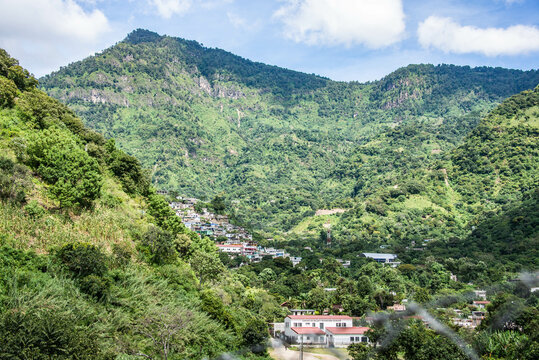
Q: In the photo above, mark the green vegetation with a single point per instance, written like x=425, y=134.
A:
x=280, y=144
x=94, y=264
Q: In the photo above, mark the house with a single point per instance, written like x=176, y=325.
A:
x=386, y=259
x=321, y=322
x=344, y=263
x=481, y=304
x=344, y=336
x=397, y=307
x=295, y=260
x=231, y=249
x=482, y=294
x=323, y=330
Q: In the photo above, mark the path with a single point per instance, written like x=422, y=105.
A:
x=278, y=352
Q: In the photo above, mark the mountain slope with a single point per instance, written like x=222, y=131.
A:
x=94, y=264
x=274, y=140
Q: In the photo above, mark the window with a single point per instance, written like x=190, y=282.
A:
x=357, y=338
x=322, y=326
x=364, y=339
x=287, y=324
x=308, y=338
x=351, y=339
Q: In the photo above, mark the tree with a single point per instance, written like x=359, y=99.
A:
x=158, y=246
x=207, y=266
x=255, y=335
x=359, y=351
x=165, y=328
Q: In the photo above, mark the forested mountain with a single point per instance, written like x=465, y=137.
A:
x=94, y=264
x=438, y=164
x=280, y=144
x=478, y=202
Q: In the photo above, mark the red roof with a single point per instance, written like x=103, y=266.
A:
x=482, y=302
x=352, y=330
x=319, y=317
x=308, y=331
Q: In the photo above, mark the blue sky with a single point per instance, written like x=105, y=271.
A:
x=342, y=39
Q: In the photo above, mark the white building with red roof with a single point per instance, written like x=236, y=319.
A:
x=323, y=330
x=344, y=336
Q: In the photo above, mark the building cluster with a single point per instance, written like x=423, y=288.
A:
x=478, y=311
x=252, y=251
x=207, y=223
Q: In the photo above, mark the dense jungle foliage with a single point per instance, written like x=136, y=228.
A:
x=94, y=264
x=279, y=143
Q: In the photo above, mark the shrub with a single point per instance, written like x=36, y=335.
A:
x=158, y=246
x=74, y=176
x=34, y=210
x=82, y=259
x=14, y=181
x=95, y=286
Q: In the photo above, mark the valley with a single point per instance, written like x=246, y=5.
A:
x=165, y=200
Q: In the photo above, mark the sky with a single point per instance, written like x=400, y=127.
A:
x=348, y=40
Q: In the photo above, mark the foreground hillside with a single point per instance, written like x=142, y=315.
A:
x=93, y=264
x=277, y=142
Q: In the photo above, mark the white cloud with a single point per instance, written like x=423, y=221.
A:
x=167, y=8
x=44, y=34
x=374, y=23
x=50, y=18
x=449, y=36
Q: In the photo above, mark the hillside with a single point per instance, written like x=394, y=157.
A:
x=478, y=202
x=94, y=264
x=277, y=142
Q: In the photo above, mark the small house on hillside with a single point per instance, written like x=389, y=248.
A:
x=386, y=259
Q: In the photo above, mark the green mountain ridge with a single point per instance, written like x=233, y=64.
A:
x=275, y=140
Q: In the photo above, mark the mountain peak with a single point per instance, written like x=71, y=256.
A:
x=142, y=35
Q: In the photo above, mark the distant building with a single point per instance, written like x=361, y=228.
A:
x=481, y=304
x=397, y=307
x=482, y=294
x=344, y=263
x=295, y=260
x=386, y=259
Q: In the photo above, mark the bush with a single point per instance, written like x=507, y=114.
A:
x=95, y=286
x=34, y=210
x=74, y=176
x=14, y=181
x=45, y=334
x=158, y=246
x=82, y=259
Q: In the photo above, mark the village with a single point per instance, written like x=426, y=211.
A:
x=306, y=327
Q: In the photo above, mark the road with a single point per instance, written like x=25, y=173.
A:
x=278, y=352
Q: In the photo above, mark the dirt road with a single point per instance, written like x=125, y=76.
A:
x=278, y=352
